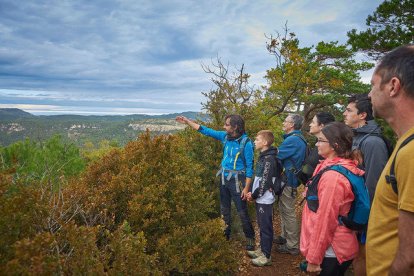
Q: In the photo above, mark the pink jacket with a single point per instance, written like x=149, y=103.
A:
x=321, y=229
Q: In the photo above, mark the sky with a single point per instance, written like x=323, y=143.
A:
x=117, y=57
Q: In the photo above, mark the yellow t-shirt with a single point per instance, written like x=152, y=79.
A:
x=382, y=239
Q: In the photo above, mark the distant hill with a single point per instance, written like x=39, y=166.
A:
x=16, y=113
x=17, y=125
x=13, y=113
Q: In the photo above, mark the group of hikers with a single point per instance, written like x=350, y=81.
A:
x=359, y=191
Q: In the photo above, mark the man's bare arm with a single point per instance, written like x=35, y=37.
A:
x=403, y=263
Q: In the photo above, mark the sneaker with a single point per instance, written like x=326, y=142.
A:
x=250, y=244
x=262, y=261
x=286, y=250
x=255, y=254
x=279, y=240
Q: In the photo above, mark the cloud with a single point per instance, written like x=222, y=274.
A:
x=148, y=50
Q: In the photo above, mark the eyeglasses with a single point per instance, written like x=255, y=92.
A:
x=322, y=141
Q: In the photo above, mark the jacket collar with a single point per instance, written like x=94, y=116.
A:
x=291, y=133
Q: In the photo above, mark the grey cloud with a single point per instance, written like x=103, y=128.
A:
x=147, y=49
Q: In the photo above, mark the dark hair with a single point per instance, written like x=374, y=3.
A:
x=362, y=104
x=398, y=63
x=339, y=137
x=324, y=118
x=297, y=121
x=267, y=136
x=237, y=122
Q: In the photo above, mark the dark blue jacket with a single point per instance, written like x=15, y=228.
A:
x=292, y=152
x=231, y=148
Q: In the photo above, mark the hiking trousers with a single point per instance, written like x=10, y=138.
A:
x=289, y=222
x=229, y=193
x=264, y=215
x=331, y=267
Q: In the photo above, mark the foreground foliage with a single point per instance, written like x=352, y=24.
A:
x=141, y=208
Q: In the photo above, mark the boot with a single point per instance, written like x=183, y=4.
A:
x=255, y=254
x=262, y=261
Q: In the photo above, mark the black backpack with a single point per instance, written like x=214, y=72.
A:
x=391, y=178
x=280, y=181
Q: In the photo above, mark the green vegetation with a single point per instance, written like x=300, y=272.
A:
x=95, y=200
x=141, y=205
x=391, y=25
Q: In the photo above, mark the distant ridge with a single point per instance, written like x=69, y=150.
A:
x=17, y=125
x=16, y=113
x=13, y=113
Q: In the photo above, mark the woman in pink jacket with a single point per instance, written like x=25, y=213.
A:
x=328, y=246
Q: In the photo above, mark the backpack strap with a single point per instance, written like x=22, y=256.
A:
x=312, y=191
x=387, y=143
x=230, y=173
x=294, y=169
x=243, y=143
x=391, y=178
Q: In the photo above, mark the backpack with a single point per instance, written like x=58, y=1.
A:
x=357, y=218
x=387, y=142
x=280, y=179
x=305, y=171
x=391, y=178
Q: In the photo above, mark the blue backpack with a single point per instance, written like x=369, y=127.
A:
x=357, y=218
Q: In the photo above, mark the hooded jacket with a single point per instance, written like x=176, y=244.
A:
x=231, y=148
x=321, y=230
x=374, y=151
x=266, y=170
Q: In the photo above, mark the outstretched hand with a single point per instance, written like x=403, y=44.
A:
x=181, y=119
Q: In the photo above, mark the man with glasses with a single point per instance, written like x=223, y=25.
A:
x=292, y=153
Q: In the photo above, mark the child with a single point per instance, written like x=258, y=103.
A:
x=267, y=169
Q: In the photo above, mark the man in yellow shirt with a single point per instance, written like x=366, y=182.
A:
x=390, y=240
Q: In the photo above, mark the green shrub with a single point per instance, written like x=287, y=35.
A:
x=198, y=249
x=128, y=254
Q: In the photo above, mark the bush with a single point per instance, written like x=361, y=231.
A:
x=128, y=254
x=141, y=206
x=198, y=249
x=71, y=251
x=154, y=185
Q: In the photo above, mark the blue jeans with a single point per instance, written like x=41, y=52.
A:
x=227, y=194
x=264, y=215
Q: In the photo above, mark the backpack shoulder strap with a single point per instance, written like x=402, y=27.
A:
x=243, y=143
x=387, y=142
x=301, y=137
x=391, y=178
x=347, y=173
x=306, y=151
